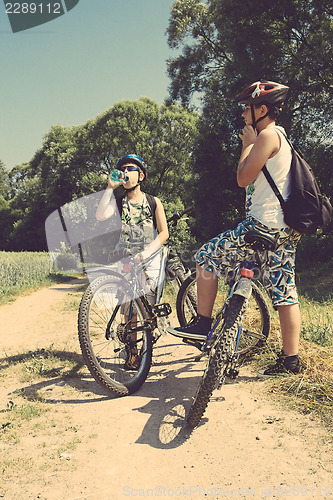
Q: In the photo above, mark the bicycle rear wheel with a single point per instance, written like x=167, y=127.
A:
x=106, y=339
x=219, y=357
x=256, y=322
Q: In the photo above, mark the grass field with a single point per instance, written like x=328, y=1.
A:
x=312, y=390
x=315, y=287
x=22, y=271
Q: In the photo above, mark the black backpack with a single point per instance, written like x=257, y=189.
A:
x=306, y=208
x=151, y=201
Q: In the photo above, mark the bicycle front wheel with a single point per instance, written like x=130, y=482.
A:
x=106, y=336
x=219, y=357
x=256, y=322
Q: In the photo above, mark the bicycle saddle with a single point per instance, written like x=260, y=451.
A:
x=260, y=241
x=235, y=222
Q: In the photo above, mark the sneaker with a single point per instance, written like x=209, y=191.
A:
x=132, y=362
x=285, y=365
x=197, y=329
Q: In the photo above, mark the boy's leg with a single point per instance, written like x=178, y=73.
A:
x=198, y=329
x=206, y=289
x=290, y=321
x=279, y=281
x=288, y=361
x=213, y=259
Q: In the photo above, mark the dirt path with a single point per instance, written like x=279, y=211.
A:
x=84, y=444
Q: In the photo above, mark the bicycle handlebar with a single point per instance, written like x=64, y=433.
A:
x=177, y=215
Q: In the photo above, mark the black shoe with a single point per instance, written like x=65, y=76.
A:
x=132, y=362
x=285, y=365
x=197, y=329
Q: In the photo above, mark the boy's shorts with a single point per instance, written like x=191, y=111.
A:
x=221, y=254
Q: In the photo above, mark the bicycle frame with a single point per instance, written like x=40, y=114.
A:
x=239, y=284
x=134, y=270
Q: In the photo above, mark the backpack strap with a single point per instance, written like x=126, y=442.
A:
x=288, y=140
x=119, y=202
x=151, y=202
x=270, y=179
x=271, y=182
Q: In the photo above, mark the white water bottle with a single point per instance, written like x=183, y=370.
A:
x=118, y=176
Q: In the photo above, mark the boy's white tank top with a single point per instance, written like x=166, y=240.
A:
x=261, y=201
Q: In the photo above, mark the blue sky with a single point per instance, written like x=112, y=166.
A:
x=73, y=68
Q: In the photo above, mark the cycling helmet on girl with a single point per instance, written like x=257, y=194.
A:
x=133, y=159
x=272, y=94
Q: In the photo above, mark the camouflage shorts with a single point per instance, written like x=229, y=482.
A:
x=222, y=253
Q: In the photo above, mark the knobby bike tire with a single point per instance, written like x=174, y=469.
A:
x=105, y=358
x=218, y=359
x=256, y=322
x=178, y=275
x=187, y=298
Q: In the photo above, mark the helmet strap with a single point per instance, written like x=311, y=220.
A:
x=254, y=121
x=134, y=187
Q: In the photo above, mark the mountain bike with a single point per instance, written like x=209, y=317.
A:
x=115, y=316
x=242, y=323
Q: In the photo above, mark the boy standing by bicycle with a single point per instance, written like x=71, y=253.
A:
x=138, y=231
x=263, y=143
x=144, y=228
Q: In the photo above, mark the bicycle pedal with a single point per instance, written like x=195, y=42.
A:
x=233, y=373
x=161, y=310
x=193, y=343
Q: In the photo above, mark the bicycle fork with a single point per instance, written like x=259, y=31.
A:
x=243, y=288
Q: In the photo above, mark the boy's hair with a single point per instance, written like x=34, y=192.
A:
x=273, y=110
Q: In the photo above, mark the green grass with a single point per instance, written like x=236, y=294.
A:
x=30, y=416
x=45, y=363
x=14, y=418
x=315, y=287
x=310, y=392
x=317, y=321
x=24, y=271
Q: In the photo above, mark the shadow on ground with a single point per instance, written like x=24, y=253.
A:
x=169, y=387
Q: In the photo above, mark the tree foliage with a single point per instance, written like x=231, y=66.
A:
x=71, y=162
x=229, y=43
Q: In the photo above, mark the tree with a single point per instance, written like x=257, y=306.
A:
x=163, y=136
x=4, y=181
x=229, y=43
x=8, y=215
x=71, y=160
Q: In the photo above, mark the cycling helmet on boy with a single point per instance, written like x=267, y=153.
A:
x=264, y=92
x=133, y=159
x=271, y=94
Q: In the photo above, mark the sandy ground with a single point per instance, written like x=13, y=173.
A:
x=86, y=444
